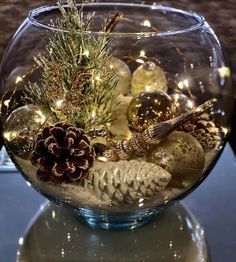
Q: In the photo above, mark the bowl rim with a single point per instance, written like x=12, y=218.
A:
x=200, y=20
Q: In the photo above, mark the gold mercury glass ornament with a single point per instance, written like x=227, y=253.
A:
x=148, y=77
x=22, y=127
x=148, y=108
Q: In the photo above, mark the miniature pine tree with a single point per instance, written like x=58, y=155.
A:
x=76, y=85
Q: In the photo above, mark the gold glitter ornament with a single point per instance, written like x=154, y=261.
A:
x=149, y=108
x=183, y=103
x=123, y=75
x=148, y=77
x=126, y=181
x=182, y=156
x=21, y=129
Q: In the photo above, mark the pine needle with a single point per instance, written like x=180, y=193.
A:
x=75, y=85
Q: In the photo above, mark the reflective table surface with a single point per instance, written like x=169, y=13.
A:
x=56, y=235
x=26, y=224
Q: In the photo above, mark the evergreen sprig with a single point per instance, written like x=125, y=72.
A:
x=76, y=85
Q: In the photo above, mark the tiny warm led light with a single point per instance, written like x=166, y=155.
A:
x=224, y=72
x=147, y=23
x=190, y=104
x=148, y=88
x=53, y=214
x=86, y=53
x=18, y=79
x=186, y=82
x=68, y=237
x=93, y=115
x=59, y=103
x=6, y=102
x=62, y=252
x=142, y=53
x=6, y=135
x=98, y=78
x=10, y=135
x=183, y=84
x=40, y=118
x=141, y=200
x=225, y=130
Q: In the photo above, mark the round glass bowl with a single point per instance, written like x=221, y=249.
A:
x=118, y=113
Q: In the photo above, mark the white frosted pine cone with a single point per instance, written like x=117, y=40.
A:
x=126, y=181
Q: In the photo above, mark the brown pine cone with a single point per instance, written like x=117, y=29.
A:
x=62, y=153
x=205, y=131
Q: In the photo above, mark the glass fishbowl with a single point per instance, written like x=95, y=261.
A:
x=114, y=109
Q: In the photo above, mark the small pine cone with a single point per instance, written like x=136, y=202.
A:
x=126, y=181
x=62, y=153
x=205, y=131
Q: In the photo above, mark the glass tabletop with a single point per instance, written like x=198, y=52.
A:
x=213, y=204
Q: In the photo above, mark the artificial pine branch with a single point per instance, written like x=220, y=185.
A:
x=76, y=86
